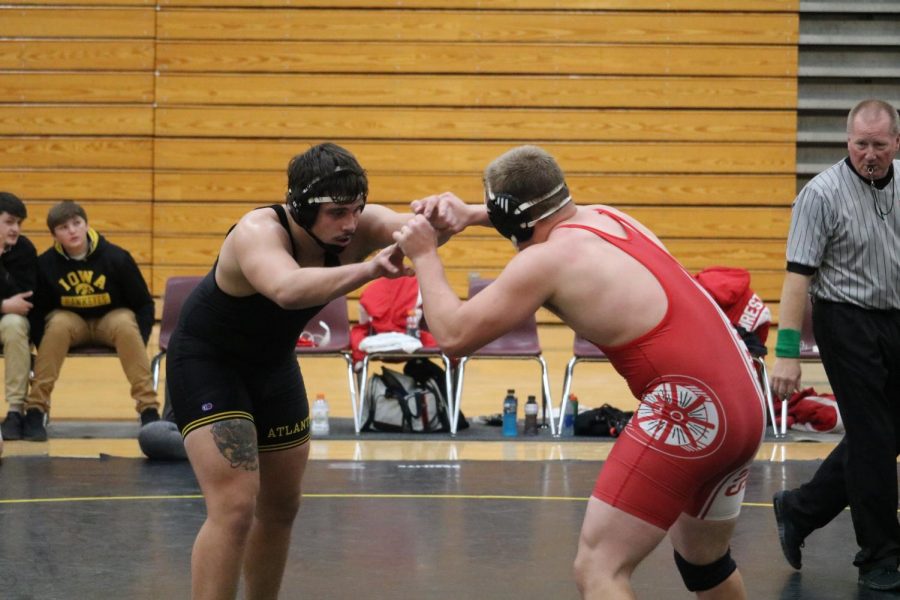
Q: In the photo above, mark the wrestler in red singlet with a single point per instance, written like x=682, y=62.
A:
x=701, y=417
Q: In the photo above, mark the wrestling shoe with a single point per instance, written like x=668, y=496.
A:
x=149, y=415
x=34, y=430
x=790, y=538
x=882, y=579
x=11, y=429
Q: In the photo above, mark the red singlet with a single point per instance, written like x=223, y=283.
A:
x=701, y=416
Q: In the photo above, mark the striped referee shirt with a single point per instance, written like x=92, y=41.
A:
x=846, y=234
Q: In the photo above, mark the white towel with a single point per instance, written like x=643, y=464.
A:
x=390, y=342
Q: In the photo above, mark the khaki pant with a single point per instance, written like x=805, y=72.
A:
x=117, y=328
x=17, y=357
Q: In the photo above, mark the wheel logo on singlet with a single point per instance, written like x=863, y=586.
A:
x=683, y=417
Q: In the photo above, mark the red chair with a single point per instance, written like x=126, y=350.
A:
x=177, y=291
x=329, y=331
x=582, y=351
x=519, y=344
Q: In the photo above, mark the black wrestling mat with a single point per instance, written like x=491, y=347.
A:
x=123, y=528
x=342, y=429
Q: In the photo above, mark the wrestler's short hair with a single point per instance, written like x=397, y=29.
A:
x=527, y=172
x=10, y=203
x=521, y=187
x=874, y=107
x=62, y=212
x=324, y=173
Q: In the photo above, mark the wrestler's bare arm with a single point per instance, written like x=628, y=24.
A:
x=259, y=248
x=446, y=212
x=462, y=327
x=786, y=373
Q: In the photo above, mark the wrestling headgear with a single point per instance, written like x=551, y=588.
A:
x=510, y=216
x=305, y=203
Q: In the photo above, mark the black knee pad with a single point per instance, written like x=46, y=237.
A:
x=699, y=578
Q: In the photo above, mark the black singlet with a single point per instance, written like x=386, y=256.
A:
x=233, y=358
x=252, y=328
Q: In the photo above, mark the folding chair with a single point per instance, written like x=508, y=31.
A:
x=763, y=374
x=424, y=352
x=519, y=344
x=730, y=288
x=585, y=351
x=809, y=352
x=330, y=331
x=582, y=351
x=382, y=300
x=92, y=349
x=177, y=291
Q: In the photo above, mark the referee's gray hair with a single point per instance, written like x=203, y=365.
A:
x=875, y=106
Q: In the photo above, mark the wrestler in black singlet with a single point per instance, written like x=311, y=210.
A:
x=233, y=358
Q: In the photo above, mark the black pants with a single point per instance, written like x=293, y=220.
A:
x=860, y=351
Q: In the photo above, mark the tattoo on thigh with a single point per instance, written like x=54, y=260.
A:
x=236, y=440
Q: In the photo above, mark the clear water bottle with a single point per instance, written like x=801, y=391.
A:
x=531, y=413
x=412, y=323
x=510, y=410
x=320, y=424
x=568, y=428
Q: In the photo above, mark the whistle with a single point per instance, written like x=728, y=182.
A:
x=870, y=169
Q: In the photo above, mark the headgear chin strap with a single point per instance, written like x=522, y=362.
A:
x=305, y=207
x=509, y=215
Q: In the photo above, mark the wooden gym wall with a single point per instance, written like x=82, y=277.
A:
x=169, y=120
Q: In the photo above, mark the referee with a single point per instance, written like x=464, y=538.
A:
x=843, y=251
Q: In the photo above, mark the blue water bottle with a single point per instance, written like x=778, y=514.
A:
x=568, y=428
x=510, y=408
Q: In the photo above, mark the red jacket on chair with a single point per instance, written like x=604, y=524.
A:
x=730, y=288
x=387, y=303
x=809, y=410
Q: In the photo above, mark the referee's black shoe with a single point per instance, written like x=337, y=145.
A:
x=790, y=538
x=881, y=579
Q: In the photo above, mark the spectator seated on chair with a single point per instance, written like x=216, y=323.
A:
x=89, y=291
x=18, y=274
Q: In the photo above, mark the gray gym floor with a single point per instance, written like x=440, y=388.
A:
x=123, y=528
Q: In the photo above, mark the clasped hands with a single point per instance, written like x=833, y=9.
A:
x=436, y=218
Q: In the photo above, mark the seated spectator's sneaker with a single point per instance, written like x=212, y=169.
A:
x=881, y=579
x=149, y=415
x=11, y=429
x=34, y=430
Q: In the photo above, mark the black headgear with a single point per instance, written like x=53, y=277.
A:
x=509, y=214
x=304, y=204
